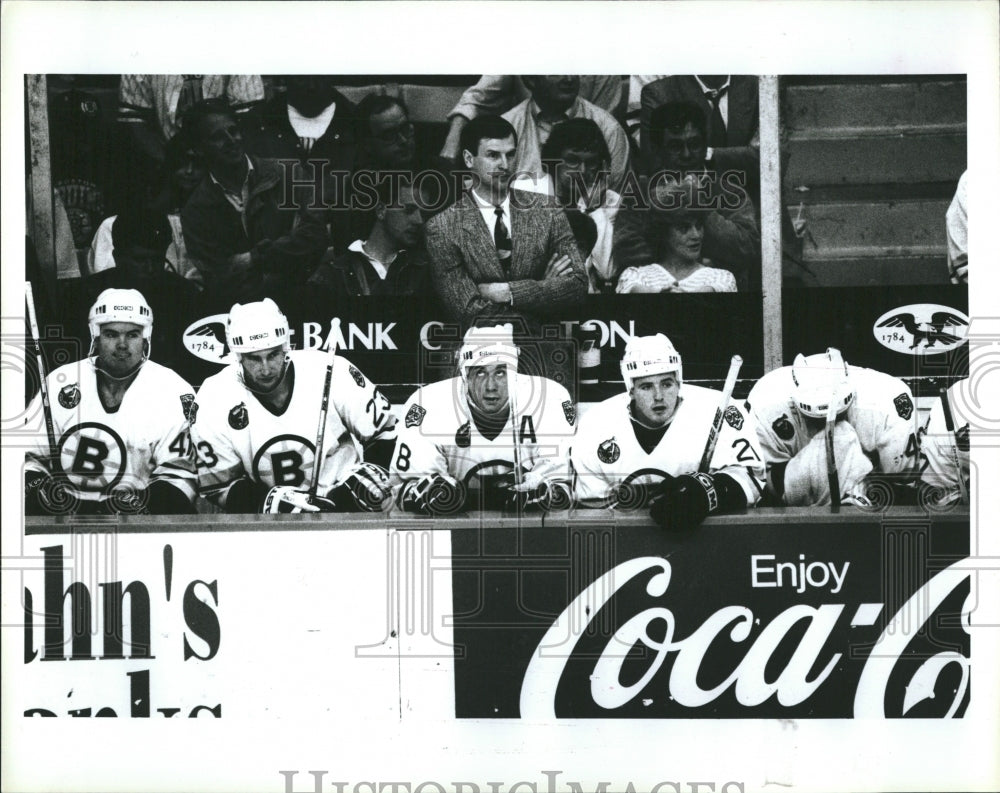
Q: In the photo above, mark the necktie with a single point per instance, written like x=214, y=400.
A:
x=501, y=238
x=716, y=124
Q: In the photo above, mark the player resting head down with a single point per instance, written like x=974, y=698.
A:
x=119, y=440
x=259, y=443
x=647, y=444
x=872, y=430
x=490, y=438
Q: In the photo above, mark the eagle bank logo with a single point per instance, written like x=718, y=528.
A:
x=921, y=329
x=205, y=338
x=789, y=657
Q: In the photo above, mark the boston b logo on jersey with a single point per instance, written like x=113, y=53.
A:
x=415, y=416
x=904, y=406
x=190, y=407
x=733, y=417
x=239, y=417
x=358, y=377
x=69, y=397
x=783, y=428
x=609, y=452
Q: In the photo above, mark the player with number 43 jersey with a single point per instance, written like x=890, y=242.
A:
x=121, y=424
x=489, y=439
x=644, y=447
x=258, y=425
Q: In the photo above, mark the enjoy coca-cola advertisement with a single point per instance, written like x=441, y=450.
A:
x=752, y=619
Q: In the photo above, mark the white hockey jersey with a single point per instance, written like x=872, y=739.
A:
x=239, y=437
x=946, y=454
x=883, y=415
x=607, y=455
x=146, y=439
x=438, y=435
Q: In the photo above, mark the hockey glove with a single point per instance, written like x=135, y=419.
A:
x=434, y=494
x=538, y=492
x=365, y=489
x=127, y=501
x=288, y=500
x=47, y=495
x=685, y=501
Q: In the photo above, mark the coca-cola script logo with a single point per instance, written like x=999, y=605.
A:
x=810, y=664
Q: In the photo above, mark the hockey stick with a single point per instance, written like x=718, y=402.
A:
x=512, y=398
x=949, y=423
x=321, y=426
x=50, y=427
x=831, y=422
x=713, y=433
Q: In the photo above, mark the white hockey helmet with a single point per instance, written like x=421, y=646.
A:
x=487, y=347
x=646, y=355
x=818, y=379
x=253, y=327
x=121, y=305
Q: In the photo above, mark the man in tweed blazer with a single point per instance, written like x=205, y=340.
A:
x=529, y=269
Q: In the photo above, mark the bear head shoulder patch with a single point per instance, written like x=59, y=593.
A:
x=904, y=406
x=415, y=416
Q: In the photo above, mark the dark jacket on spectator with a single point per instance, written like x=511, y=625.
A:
x=280, y=245
x=351, y=274
x=327, y=165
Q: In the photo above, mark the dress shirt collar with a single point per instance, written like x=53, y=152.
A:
x=536, y=111
x=705, y=89
x=238, y=200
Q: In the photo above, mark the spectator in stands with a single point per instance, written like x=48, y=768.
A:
x=678, y=231
x=500, y=255
x=183, y=171
x=729, y=102
x=152, y=106
x=390, y=260
x=555, y=98
x=495, y=93
x=473, y=259
x=957, y=226
x=385, y=134
x=238, y=224
x=576, y=162
x=731, y=238
x=313, y=125
x=140, y=239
